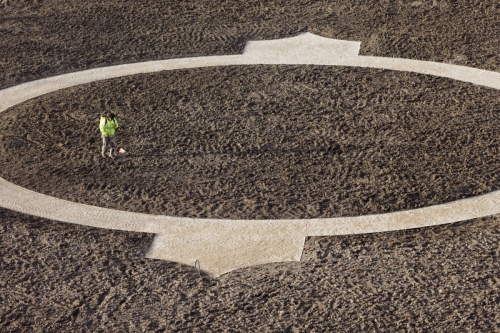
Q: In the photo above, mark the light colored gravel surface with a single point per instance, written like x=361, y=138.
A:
x=245, y=243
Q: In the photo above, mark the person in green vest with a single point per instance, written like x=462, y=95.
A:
x=108, y=125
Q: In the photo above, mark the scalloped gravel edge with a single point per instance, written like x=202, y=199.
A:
x=225, y=245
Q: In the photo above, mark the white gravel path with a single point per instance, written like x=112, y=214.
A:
x=225, y=245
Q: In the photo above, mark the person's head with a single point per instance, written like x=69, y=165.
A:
x=110, y=116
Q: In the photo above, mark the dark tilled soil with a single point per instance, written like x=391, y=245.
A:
x=40, y=38
x=56, y=277
x=260, y=142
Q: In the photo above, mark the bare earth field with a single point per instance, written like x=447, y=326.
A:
x=251, y=142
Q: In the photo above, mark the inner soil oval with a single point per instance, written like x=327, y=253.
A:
x=260, y=142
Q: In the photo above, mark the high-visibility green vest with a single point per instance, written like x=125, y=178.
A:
x=108, y=126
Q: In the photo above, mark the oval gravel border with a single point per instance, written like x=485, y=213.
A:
x=224, y=245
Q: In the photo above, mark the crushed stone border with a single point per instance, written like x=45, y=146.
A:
x=218, y=245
